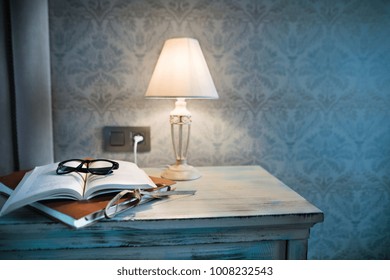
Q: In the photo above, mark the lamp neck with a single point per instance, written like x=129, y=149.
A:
x=180, y=108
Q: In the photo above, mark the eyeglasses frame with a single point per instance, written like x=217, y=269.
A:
x=62, y=169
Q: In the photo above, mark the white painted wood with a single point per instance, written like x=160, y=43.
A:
x=234, y=209
x=230, y=191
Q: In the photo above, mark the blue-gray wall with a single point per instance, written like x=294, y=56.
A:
x=26, y=128
x=304, y=91
x=6, y=145
x=31, y=60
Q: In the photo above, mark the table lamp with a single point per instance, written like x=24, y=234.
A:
x=181, y=73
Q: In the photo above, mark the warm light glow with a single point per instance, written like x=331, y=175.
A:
x=181, y=72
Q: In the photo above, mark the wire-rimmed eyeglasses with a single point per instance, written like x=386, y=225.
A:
x=95, y=166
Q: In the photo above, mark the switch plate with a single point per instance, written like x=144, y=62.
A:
x=120, y=138
x=117, y=138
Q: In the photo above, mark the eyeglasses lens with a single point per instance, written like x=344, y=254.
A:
x=100, y=167
x=68, y=166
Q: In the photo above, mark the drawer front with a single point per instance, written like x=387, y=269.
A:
x=267, y=250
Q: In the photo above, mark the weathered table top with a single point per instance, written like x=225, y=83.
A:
x=231, y=192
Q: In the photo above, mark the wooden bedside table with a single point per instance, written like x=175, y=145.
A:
x=238, y=212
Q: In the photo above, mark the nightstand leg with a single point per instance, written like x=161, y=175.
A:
x=297, y=249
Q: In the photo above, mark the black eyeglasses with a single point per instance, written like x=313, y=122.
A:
x=95, y=166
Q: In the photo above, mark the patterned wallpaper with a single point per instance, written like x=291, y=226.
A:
x=304, y=92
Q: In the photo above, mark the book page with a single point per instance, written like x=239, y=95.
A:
x=43, y=183
x=127, y=176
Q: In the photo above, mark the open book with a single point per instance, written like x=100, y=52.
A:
x=42, y=183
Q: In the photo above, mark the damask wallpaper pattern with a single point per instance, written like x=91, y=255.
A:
x=304, y=92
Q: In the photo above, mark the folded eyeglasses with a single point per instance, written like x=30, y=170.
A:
x=95, y=166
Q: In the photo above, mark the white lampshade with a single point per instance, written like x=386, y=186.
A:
x=181, y=72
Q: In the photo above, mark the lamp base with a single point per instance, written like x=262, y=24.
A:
x=181, y=172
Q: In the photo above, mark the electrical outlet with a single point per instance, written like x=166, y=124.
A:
x=144, y=131
x=121, y=138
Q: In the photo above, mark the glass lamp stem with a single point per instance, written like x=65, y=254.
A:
x=180, y=119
